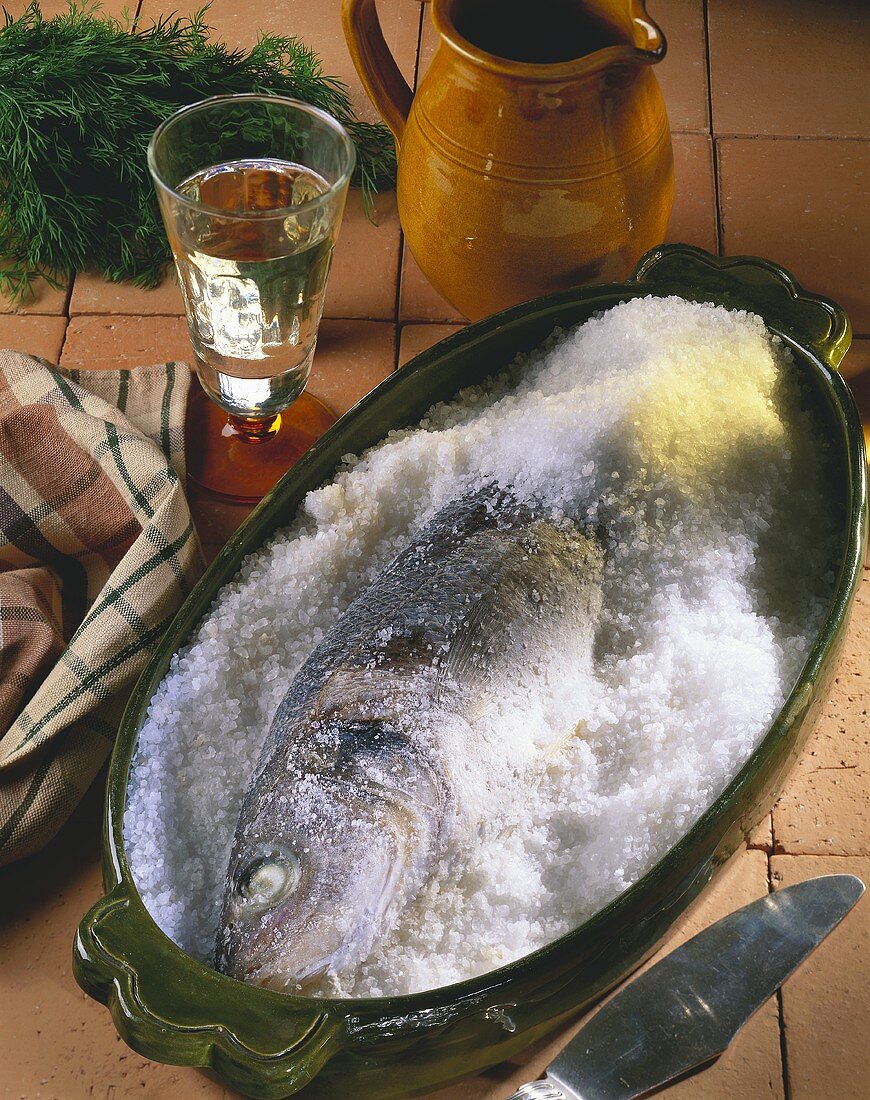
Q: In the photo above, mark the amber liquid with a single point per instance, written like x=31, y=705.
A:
x=254, y=285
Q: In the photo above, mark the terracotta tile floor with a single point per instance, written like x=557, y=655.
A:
x=768, y=104
x=806, y=65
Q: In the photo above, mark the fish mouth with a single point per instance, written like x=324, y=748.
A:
x=301, y=984
x=301, y=981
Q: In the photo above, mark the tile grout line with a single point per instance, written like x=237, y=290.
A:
x=717, y=196
x=419, y=43
x=67, y=301
x=127, y=315
x=714, y=148
x=397, y=302
x=739, y=136
x=783, y=1046
x=411, y=320
x=817, y=855
x=63, y=341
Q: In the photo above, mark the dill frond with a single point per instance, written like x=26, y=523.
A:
x=80, y=95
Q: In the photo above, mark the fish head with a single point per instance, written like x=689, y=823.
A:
x=320, y=865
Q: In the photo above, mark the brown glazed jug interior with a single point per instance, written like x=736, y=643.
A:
x=535, y=154
x=543, y=33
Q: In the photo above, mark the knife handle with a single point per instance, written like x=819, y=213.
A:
x=538, y=1090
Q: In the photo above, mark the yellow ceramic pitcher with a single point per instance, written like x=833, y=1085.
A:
x=536, y=152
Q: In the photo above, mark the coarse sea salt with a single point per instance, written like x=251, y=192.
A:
x=674, y=431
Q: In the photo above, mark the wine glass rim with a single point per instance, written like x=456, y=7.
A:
x=254, y=97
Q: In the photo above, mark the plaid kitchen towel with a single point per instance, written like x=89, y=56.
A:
x=97, y=551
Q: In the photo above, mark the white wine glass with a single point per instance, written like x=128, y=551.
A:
x=252, y=191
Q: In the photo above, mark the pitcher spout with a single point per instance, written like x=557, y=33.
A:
x=550, y=39
x=648, y=39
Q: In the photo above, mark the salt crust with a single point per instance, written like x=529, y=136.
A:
x=673, y=431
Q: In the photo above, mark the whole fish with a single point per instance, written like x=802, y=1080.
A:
x=350, y=804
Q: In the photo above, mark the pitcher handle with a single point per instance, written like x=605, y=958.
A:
x=377, y=68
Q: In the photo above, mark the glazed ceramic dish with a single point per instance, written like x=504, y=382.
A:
x=173, y=1009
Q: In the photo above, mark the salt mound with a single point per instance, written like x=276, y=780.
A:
x=674, y=431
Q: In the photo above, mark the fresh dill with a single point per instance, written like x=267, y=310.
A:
x=80, y=96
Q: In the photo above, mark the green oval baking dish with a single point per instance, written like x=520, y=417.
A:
x=172, y=1008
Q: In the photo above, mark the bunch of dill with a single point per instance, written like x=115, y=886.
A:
x=81, y=95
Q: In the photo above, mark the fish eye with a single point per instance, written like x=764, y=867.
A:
x=267, y=879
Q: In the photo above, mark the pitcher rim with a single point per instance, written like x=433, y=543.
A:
x=558, y=70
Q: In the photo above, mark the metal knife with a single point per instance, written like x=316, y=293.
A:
x=684, y=1011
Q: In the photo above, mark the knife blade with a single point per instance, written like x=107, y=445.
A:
x=684, y=1011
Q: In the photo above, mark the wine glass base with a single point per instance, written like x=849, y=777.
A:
x=226, y=466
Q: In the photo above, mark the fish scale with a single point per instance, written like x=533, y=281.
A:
x=350, y=806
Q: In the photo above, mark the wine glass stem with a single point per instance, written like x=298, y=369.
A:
x=253, y=430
